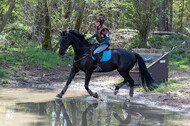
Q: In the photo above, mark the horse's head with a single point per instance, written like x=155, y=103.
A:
x=65, y=42
x=74, y=38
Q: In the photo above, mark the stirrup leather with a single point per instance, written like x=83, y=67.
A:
x=98, y=69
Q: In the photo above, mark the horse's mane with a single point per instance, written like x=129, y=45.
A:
x=76, y=33
x=80, y=36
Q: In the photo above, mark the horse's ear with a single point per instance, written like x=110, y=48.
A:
x=62, y=33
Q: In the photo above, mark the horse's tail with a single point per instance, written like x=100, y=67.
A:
x=145, y=75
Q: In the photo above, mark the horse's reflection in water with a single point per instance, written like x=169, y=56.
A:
x=130, y=117
x=84, y=114
x=62, y=106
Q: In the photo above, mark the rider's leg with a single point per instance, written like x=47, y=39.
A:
x=100, y=48
x=98, y=68
x=97, y=57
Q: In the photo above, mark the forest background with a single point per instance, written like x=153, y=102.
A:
x=29, y=29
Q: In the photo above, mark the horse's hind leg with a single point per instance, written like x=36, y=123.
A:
x=127, y=78
x=87, y=80
x=119, y=86
x=124, y=75
x=131, y=84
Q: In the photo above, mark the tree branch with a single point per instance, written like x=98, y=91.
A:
x=7, y=16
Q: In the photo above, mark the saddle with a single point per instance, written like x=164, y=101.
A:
x=104, y=55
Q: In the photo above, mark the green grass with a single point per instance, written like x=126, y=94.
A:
x=170, y=85
x=3, y=73
x=19, y=77
x=179, y=62
x=12, y=58
x=32, y=56
x=42, y=57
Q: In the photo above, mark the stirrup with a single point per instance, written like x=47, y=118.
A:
x=98, y=69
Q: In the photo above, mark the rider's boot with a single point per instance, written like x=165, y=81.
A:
x=98, y=68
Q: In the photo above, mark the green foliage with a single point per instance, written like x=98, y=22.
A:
x=3, y=72
x=170, y=85
x=167, y=41
x=42, y=57
x=179, y=57
x=3, y=75
x=12, y=58
x=19, y=77
x=123, y=38
x=135, y=44
x=32, y=56
x=179, y=63
x=16, y=35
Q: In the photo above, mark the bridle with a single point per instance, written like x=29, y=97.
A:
x=84, y=55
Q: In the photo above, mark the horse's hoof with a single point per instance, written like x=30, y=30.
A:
x=59, y=96
x=116, y=92
x=101, y=99
x=130, y=98
x=131, y=95
x=95, y=95
x=131, y=91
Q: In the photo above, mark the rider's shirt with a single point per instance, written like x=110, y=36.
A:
x=102, y=34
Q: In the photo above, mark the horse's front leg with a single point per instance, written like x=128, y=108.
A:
x=87, y=80
x=73, y=72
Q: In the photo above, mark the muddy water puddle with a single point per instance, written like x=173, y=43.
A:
x=39, y=107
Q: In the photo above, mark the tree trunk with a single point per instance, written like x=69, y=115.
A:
x=171, y=15
x=163, y=26
x=181, y=19
x=7, y=16
x=68, y=7
x=166, y=15
x=116, y=19
x=38, y=22
x=145, y=22
x=46, y=44
x=80, y=16
x=68, y=12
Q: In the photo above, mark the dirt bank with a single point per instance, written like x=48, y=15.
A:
x=101, y=83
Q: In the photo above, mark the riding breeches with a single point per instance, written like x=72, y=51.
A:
x=100, y=48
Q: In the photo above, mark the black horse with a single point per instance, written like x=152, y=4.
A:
x=121, y=59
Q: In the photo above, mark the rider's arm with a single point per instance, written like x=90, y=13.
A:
x=105, y=42
x=94, y=35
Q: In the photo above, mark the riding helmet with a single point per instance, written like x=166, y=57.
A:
x=100, y=19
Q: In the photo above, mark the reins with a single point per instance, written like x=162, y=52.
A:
x=81, y=58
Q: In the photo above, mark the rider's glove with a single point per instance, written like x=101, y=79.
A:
x=96, y=44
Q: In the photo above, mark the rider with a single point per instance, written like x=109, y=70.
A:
x=102, y=37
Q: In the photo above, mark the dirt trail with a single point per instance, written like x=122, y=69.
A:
x=101, y=83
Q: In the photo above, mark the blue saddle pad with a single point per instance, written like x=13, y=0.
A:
x=105, y=56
